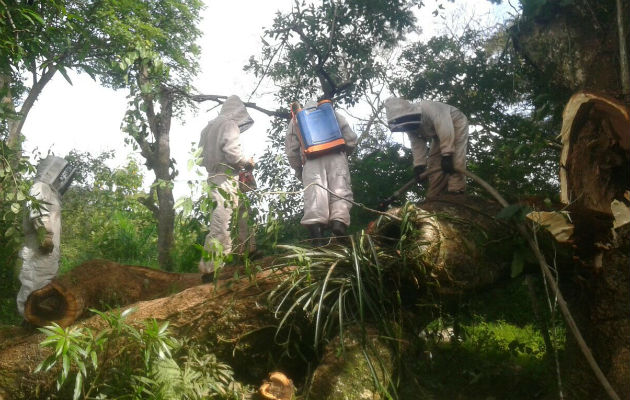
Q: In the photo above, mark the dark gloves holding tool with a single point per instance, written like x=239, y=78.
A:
x=418, y=170
x=447, y=164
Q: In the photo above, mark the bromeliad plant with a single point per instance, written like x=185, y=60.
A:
x=125, y=362
x=336, y=287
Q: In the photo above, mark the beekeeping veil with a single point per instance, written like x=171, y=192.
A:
x=56, y=172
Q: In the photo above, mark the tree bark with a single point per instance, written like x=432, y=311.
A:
x=575, y=46
x=158, y=156
x=164, y=179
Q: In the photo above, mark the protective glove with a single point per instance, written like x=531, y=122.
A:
x=447, y=164
x=46, y=245
x=418, y=170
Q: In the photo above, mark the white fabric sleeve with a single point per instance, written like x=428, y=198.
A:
x=418, y=148
x=347, y=133
x=292, y=147
x=231, y=145
x=443, y=125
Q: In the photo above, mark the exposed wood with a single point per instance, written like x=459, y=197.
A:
x=278, y=387
x=97, y=283
x=596, y=150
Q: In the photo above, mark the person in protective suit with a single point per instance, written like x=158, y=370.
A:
x=42, y=227
x=223, y=159
x=330, y=170
x=445, y=129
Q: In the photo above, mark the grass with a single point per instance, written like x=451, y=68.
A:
x=490, y=347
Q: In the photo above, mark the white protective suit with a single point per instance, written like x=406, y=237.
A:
x=329, y=170
x=40, y=266
x=447, y=130
x=223, y=158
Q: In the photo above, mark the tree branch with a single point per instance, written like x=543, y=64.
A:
x=149, y=203
x=221, y=98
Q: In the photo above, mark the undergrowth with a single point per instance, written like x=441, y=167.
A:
x=489, y=346
x=123, y=361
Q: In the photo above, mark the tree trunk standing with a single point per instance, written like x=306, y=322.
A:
x=594, y=181
x=158, y=159
x=164, y=179
x=573, y=46
x=166, y=225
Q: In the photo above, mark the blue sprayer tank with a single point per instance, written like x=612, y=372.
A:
x=318, y=129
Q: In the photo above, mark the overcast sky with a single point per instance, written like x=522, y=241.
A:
x=86, y=117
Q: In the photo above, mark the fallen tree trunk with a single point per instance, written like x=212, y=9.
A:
x=223, y=316
x=231, y=317
x=100, y=284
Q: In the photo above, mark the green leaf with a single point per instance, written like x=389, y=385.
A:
x=10, y=231
x=15, y=207
x=65, y=367
x=78, y=385
x=65, y=74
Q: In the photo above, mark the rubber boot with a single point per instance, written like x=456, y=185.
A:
x=316, y=233
x=338, y=228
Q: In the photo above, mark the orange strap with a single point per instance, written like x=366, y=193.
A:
x=325, y=146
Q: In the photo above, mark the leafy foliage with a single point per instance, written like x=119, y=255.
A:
x=156, y=365
x=14, y=193
x=102, y=217
x=332, y=44
x=157, y=73
x=147, y=46
x=378, y=168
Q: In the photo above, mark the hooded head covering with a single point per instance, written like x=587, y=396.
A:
x=402, y=116
x=56, y=172
x=234, y=109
